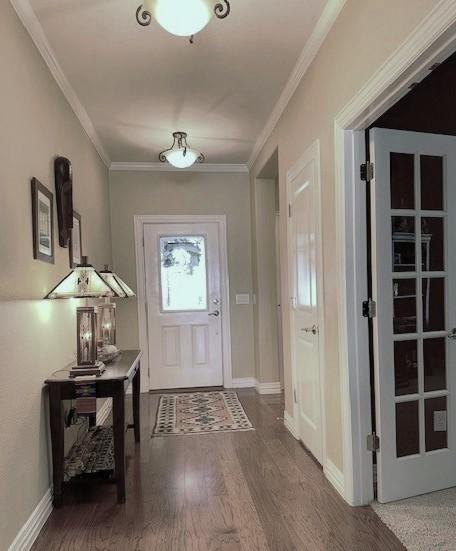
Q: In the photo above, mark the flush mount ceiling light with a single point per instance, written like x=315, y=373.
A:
x=182, y=17
x=179, y=154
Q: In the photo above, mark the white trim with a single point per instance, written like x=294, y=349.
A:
x=267, y=388
x=139, y=222
x=430, y=42
x=166, y=167
x=313, y=44
x=245, y=382
x=289, y=423
x=28, y=17
x=30, y=530
x=312, y=153
x=104, y=411
x=335, y=477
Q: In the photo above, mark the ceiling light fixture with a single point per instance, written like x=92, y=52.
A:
x=179, y=154
x=182, y=17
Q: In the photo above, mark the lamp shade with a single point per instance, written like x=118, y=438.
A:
x=118, y=284
x=82, y=282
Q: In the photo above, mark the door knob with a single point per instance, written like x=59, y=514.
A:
x=313, y=329
x=216, y=313
x=452, y=334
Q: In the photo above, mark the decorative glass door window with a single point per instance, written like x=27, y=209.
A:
x=418, y=223
x=183, y=273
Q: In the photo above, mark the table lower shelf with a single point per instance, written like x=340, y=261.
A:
x=92, y=456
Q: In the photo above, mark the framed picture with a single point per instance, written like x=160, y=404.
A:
x=76, y=241
x=42, y=222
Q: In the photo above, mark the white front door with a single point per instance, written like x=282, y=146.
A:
x=184, y=306
x=414, y=285
x=304, y=247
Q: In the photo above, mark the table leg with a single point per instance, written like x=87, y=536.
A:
x=57, y=440
x=118, y=413
x=136, y=402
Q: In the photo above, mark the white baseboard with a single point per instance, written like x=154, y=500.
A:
x=246, y=382
x=335, y=476
x=267, y=388
x=104, y=411
x=289, y=423
x=29, y=532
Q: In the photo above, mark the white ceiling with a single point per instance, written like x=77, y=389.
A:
x=138, y=85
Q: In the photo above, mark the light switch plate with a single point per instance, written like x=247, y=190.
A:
x=243, y=299
x=440, y=421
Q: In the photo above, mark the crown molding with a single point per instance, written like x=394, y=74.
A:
x=166, y=167
x=30, y=21
x=432, y=32
x=322, y=28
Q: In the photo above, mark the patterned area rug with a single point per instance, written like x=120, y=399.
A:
x=200, y=413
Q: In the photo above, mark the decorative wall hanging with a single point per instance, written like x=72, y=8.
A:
x=182, y=18
x=75, y=248
x=64, y=198
x=42, y=222
x=179, y=154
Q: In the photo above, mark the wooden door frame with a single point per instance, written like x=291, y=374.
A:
x=139, y=222
x=433, y=40
x=312, y=153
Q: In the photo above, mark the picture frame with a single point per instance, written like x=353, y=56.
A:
x=42, y=222
x=75, y=248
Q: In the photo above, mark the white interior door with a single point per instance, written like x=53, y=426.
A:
x=414, y=279
x=184, y=306
x=304, y=246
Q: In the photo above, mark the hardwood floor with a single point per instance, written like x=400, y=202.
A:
x=245, y=491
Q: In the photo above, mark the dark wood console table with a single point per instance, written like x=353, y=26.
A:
x=113, y=383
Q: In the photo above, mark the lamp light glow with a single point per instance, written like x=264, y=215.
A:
x=182, y=17
x=179, y=154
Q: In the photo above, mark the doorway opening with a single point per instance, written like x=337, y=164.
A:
x=378, y=104
x=267, y=309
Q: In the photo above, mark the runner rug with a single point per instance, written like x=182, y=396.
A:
x=200, y=413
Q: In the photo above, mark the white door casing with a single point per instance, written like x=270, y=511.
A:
x=306, y=287
x=413, y=264
x=185, y=336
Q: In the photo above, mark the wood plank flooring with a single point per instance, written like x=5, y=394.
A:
x=244, y=491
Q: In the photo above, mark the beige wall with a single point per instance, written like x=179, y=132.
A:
x=135, y=193
x=364, y=35
x=263, y=201
x=37, y=337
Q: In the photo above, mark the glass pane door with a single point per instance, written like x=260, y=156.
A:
x=183, y=273
x=418, y=223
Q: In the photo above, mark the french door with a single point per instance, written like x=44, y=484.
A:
x=414, y=286
x=184, y=306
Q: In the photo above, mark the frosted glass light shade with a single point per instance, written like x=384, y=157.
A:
x=82, y=282
x=177, y=158
x=181, y=17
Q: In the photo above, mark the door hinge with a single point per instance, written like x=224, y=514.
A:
x=369, y=308
x=367, y=172
x=289, y=210
x=294, y=395
x=373, y=442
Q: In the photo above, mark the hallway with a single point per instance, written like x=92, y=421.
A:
x=246, y=491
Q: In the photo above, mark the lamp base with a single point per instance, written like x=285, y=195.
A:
x=81, y=370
